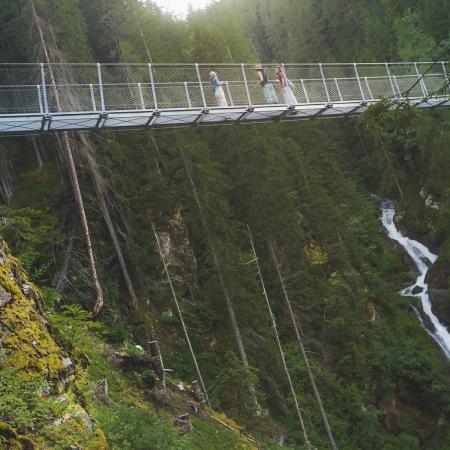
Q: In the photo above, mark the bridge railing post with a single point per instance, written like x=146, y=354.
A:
x=100, y=86
x=141, y=95
x=188, y=97
x=91, y=90
x=152, y=86
x=325, y=84
x=202, y=92
x=44, y=88
x=39, y=96
x=359, y=83
x=247, y=91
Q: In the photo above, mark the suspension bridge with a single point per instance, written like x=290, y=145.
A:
x=43, y=98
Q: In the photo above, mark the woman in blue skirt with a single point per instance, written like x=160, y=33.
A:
x=267, y=87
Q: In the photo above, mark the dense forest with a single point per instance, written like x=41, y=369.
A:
x=229, y=217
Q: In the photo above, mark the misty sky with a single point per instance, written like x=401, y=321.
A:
x=180, y=7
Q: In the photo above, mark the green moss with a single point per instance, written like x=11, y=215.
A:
x=26, y=339
x=7, y=431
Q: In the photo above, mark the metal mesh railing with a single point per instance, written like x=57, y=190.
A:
x=83, y=88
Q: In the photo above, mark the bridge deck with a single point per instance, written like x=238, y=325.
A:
x=50, y=98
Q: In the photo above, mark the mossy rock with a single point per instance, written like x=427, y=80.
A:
x=11, y=440
x=24, y=335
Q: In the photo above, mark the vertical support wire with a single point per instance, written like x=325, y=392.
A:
x=359, y=83
x=325, y=84
x=390, y=79
x=338, y=90
x=44, y=89
x=368, y=88
x=152, y=86
x=421, y=82
x=141, y=95
x=199, y=78
x=247, y=92
x=100, y=85
x=186, y=89
x=304, y=90
x=180, y=316
x=91, y=90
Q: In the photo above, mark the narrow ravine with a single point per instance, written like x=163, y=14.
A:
x=423, y=259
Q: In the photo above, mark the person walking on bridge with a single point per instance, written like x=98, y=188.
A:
x=286, y=86
x=267, y=86
x=218, y=89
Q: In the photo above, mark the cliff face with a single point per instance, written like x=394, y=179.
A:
x=438, y=278
x=37, y=403
x=54, y=398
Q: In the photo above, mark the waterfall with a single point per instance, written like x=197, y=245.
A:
x=423, y=259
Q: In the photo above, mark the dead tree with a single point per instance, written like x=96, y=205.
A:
x=280, y=347
x=180, y=314
x=223, y=286
x=155, y=351
x=73, y=172
x=303, y=352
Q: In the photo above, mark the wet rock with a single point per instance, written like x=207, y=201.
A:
x=5, y=297
x=7, y=431
x=438, y=284
x=101, y=393
x=417, y=290
x=26, y=443
x=440, y=305
x=438, y=275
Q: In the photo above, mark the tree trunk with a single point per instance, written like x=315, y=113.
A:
x=280, y=348
x=107, y=216
x=303, y=352
x=73, y=174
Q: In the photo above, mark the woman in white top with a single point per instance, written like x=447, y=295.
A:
x=218, y=89
x=286, y=86
x=267, y=87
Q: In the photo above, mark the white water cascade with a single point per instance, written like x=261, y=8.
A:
x=423, y=259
